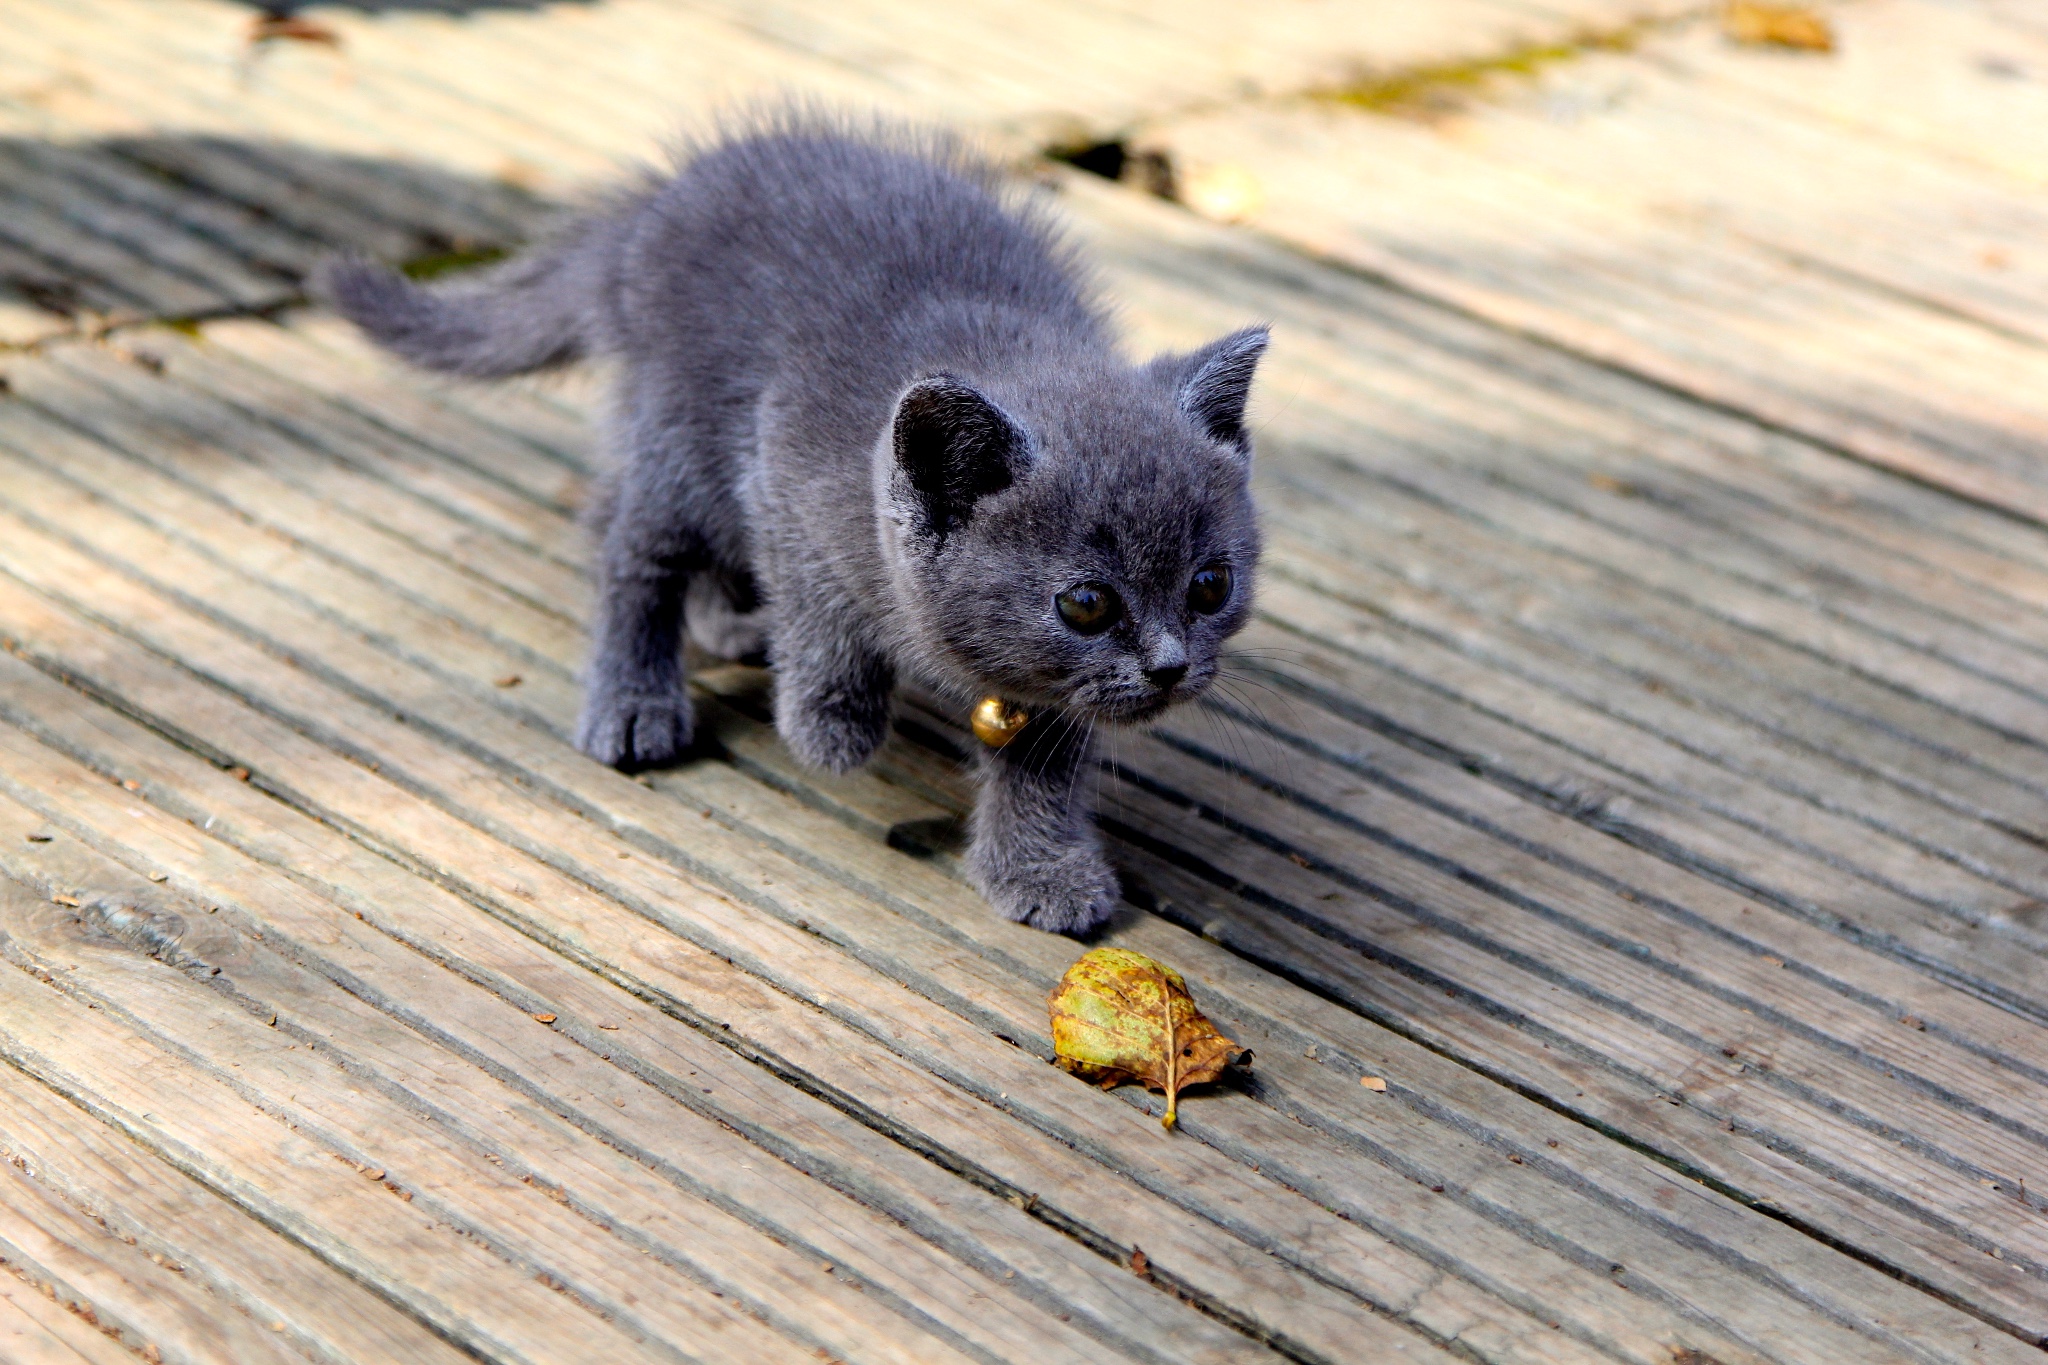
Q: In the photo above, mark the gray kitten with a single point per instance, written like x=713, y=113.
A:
x=859, y=388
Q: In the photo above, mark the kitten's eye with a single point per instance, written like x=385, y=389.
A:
x=1209, y=589
x=1090, y=608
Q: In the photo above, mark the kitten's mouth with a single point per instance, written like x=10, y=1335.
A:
x=1143, y=707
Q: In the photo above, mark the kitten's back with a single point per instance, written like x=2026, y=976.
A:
x=830, y=233
x=789, y=237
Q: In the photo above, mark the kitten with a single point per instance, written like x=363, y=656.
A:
x=857, y=385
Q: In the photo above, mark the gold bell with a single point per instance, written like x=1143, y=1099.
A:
x=996, y=722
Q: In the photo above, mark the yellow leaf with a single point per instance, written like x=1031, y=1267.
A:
x=1761, y=24
x=1118, y=1016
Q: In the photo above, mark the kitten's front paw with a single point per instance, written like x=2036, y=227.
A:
x=838, y=734
x=631, y=731
x=1071, y=894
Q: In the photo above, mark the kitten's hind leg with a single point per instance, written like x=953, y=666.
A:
x=832, y=689
x=1035, y=853
x=636, y=712
x=724, y=617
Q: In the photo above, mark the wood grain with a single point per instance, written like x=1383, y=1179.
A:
x=1636, y=764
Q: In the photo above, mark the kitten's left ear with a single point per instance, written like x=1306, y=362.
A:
x=953, y=448
x=1213, y=384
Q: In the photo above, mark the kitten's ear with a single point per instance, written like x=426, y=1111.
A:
x=1213, y=384
x=953, y=448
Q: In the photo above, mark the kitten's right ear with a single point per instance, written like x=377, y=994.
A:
x=1212, y=385
x=953, y=448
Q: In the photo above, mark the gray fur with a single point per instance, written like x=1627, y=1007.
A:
x=859, y=386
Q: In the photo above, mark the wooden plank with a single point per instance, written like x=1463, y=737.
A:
x=538, y=411
x=140, y=230
x=652, y=1220
x=39, y=1331
x=302, y=491
x=1279, y=884
x=1262, y=262
x=200, y=1122
x=1680, y=1040
x=367, y=393
x=251, y=1269
x=781, y=876
x=1571, y=287
x=1208, y=844
x=1076, y=68
x=812, y=901
x=460, y=510
x=1626, y=782
x=785, y=823
x=1923, y=88
x=985, y=1137
x=117, y=1288
x=1033, y=1173
x=1991, y=865
x=138, y=288
x=261, y=242
x=1888, y=870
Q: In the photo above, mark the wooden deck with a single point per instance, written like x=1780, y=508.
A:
x=1640, y=762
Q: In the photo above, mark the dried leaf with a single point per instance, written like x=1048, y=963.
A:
x=1377, y=1084
x=543, y=1018
x=1118, y=1016
x=1762, y=24
x=291, y=28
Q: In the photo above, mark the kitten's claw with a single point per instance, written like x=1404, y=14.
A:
x=634, y=732
x=1071, y=895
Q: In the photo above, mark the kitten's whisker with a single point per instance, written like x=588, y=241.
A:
x=1234, y=737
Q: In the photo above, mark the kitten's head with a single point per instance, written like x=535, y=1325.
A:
x=1080, y=538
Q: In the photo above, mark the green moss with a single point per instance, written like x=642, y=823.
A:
x=1419, y=89
x=448, y=262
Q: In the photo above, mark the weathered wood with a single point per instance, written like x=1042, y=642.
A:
x=249, y=1268
x=785, y=819
x=37, y=1330
x=680, y=978
x=747, y=868
x=1546, y=256
x=1220, y=846
x=1277, y=877
x=1639, y=780
x=116, y=1287
x=652, y=1221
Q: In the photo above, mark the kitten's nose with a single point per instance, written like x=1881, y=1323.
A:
x=1165, y=678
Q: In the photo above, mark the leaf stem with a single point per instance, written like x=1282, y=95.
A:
x=1172, y=1055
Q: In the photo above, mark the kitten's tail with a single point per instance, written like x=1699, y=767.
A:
x=529, y=313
